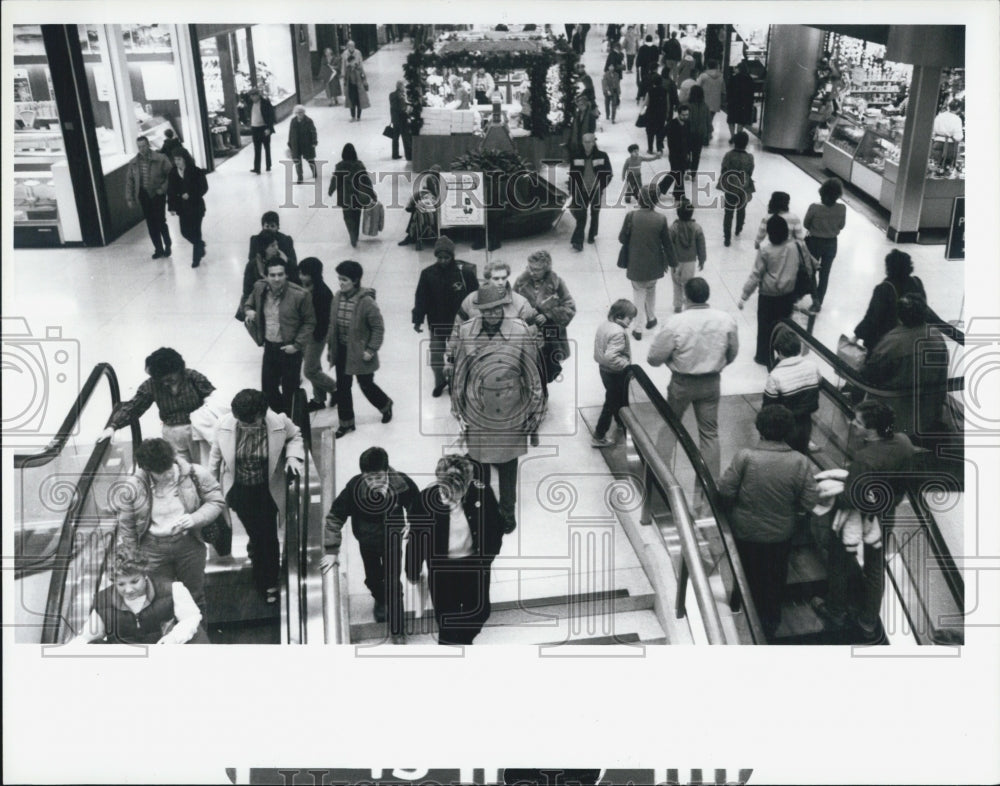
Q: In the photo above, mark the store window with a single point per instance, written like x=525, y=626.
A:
x=274, y=62
x=44, y=207
x=101, y=83
x=947, y=155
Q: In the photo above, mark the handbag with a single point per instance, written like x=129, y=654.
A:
x=389, y=132
x=219, y=533
x=640, y=121
x=805, y=284
x=623, y=251
x=850, y=353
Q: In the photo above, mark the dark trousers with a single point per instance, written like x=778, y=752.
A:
x=611, y=105
x=798, y=439
x=298, y=167
x=191, y=227
x=354, y=98
x=766, y=568
x=407, y=144
x=507, y=477
x=180, y=558
x=383, y=562
x=614, y=399
x=579, y=210
x=460, y=591
x=734, y=204
x=345, y=398
x=280, y=377
x=154, y=209
x=352, y=220
x=654, y=133
x=844, y=574
x=633, y=185
x=677, y=172
x=259, y=514
x=770, y=311
x=261, y=139
x=824, y=249
x=695, y=156
x=438, y=342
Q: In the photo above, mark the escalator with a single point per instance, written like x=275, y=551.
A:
x=65, y=516
x=925, y=587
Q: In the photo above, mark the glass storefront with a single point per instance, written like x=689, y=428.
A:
x=44, y=206
x=273, y=61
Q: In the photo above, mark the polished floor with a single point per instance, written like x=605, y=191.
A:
x=120, y=305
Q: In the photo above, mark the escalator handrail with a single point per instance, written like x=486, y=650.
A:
x=69, y=424
x=711, y=492
x=52, y=624
x=844, y=371
x=296, y=526
x=939, y=547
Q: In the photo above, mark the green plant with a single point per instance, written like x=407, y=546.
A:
x=505, y=161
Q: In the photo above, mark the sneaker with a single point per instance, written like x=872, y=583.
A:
x=601, y=442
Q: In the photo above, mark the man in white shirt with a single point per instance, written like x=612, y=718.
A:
x=483, y=86
x=949, y=128
x=696, y=345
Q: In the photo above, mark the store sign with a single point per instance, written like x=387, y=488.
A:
x=955, y=248
x=463, y=202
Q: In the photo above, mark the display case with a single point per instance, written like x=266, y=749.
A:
x=839, y=150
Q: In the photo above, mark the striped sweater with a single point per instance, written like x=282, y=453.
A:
x=794, y=383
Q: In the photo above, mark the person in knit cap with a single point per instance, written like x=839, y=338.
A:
x=440, y=291
x=496, y=391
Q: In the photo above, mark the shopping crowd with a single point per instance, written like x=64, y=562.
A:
x=495, y=346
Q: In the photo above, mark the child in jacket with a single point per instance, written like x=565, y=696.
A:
x=689, y=243
x=613, y=354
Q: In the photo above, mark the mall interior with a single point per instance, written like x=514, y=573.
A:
x=621, y=546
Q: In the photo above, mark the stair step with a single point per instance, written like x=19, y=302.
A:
x=640, y=624
x=232, y=597
x=533, y=613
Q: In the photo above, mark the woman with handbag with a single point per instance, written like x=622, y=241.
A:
x=355, y=192
x=875, y=485
x=329, y=72
x=775, y=273
x=177, y=391
x=824, y=221
x=654, y=112
x=647, y=252
x=161, y=510
x=355, y=81
x=137, y=608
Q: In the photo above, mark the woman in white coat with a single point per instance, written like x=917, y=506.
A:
x=247, y=460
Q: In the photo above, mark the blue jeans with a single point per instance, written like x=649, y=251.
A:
x=824, y=249
x=178, y=558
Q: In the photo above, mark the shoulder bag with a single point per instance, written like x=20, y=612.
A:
x=805, y=282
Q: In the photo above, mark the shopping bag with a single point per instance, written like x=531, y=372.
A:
x=850, y=353
x=373, y=219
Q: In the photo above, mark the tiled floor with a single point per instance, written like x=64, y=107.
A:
x=120, y=305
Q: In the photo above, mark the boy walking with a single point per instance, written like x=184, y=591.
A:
x=632, y=171
x=613, y=354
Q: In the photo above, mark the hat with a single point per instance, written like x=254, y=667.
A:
x=444, y=244
x=490, y=296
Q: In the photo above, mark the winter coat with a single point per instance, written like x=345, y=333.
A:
x=650, y=250
x=688, y=239
x=353, y=185
x=295, y=315
x=283, y=438
x=774, y=270
x=440, y=292
x=302, y=139
x=712, y=83
x=201, y=497
x=496, y=389
x=736, y=175
x=612, y=350
x=881, y=316
x=366, y=333
x=194, y=184
x=739, y=99
x=354, y=74
x=159, y=172
x=701, y=124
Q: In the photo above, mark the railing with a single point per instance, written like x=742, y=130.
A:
x=336, y=625
x=734, y=578
x=82, y=562
x=921, y=573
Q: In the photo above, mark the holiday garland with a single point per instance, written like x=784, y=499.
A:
x=536, y=63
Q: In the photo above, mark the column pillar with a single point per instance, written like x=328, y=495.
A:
x=904, y=221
